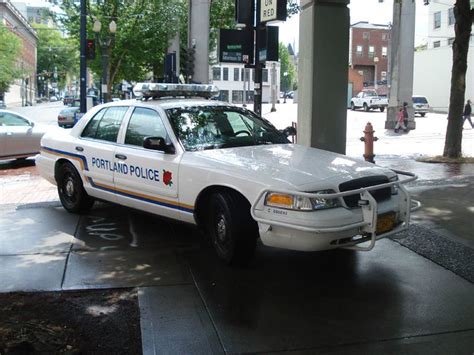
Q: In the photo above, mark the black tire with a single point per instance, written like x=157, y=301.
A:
x=233, y=231
x=422, y=114
x=71, y=190
x=353, y=106
x=382, y=109
x=366, y=107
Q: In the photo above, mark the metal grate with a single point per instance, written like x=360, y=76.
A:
x=379, y=194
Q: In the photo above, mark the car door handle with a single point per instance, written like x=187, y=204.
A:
x=79, y=149
x=121, y=156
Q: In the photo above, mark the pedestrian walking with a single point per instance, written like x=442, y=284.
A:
x=405, y=115
x=467, y=113
x=401, y=120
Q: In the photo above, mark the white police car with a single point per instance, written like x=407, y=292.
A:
x=225, y=169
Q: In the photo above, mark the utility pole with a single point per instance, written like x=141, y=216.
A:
x=83, y=63
x=401, y=62
x=198, y=38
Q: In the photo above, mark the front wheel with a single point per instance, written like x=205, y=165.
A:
x=382, y=109
x=422, y=114
x=71, y=191
x=352, y=106
x=233, y=231
x=366, y=107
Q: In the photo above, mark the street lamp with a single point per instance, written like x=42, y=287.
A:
x=376, y=60
x=105, y=44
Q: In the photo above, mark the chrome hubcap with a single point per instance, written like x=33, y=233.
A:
x=221, y=229
x=69, y=187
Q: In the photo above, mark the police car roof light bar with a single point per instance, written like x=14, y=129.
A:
x=159, y=90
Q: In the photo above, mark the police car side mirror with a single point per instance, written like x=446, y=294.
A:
x=289, y=131
x=158, y=143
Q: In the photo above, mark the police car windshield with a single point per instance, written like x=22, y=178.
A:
x=213, y=127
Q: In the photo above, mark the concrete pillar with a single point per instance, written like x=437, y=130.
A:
x=322, y=74
x=198, y=37
x=174, y=48
x=402, y=61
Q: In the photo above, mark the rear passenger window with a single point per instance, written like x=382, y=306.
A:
x=106, y=124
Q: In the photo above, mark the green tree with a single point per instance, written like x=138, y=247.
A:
x=464, y=17
x=144, y=30
x=288, y=73
x=55, y=54
x=10, y=49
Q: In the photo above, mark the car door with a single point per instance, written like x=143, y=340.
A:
x=358, y=100
x=145, y=178
x=19, y=137
x=97, y=145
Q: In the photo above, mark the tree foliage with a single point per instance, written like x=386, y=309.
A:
x=464, y=17
x=56, y=53
x=144, y=31
x=287, y=81
x=10, y=49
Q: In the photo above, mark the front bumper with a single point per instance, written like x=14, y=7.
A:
x=339, y=227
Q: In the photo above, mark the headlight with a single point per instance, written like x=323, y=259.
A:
x=300, y=203
x=394, y=188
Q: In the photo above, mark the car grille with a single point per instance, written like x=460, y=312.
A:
x=379, y=194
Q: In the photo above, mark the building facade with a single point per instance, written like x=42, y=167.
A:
x=22, y=91
x=369, y=52
x=432, y=74
x=236, y=83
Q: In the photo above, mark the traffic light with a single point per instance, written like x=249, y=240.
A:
x=90, y=49
x=186, y=57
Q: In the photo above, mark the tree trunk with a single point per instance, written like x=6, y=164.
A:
x=462, y=28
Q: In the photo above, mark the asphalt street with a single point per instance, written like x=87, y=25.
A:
x=411, y=294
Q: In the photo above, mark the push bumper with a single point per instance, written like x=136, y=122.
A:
x=367, y=229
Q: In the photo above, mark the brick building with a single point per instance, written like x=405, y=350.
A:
x=369, y=52
x=22, y=91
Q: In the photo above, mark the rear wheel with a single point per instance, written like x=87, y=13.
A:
x=366, y=107
x=233, y=231
x=382, y=109
x=422, y=114
x=352, y=106
x=71, y=190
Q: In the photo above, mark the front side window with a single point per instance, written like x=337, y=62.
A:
x=105, y=124
x=144, y=123
x=214, y=127
x=7, y=119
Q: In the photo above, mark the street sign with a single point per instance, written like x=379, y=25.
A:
x=271, y=10
x=268, y=44
x=236, y=46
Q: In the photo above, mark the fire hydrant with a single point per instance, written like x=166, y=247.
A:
x=369, y=140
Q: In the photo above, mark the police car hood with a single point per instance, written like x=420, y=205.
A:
x=289, y=165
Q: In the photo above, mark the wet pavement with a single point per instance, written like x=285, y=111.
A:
x=409, y=295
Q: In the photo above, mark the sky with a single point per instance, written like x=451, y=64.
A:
x=372, y=11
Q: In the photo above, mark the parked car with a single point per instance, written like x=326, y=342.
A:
x=19, y=136
x=53, y=98
x=368, y=100
x=66, y=117
x=225, y=169
x=420, y=105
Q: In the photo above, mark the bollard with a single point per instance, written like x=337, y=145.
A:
x=369, y=140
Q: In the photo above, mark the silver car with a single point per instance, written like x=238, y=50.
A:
x=19, y=137
x=66, y=117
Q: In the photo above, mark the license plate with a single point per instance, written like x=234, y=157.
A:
x=385, y=222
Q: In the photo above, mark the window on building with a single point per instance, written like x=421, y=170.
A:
x=371, y=51
x=436, y=44
x=245, y=74
x=384, y=36
x=450, y=41
x=236, y=74
x=384, y=52
x=383, y=74
x=265, y=76
x=216, y=73
x=437, y=19
x=359, y=51
x=224, y=95
x=225, y=74
x=451, y=19
x=237, y=96
x=366, y=35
